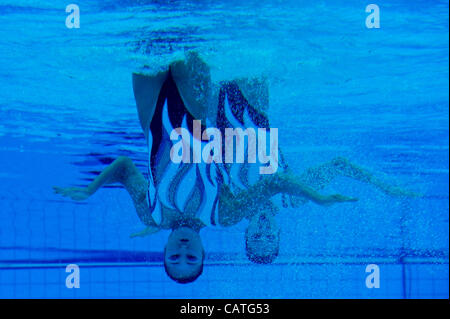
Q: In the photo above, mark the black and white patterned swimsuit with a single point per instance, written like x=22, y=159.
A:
x=191, y=190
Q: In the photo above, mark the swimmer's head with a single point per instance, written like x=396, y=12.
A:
x=262, y=239
x=184, y=255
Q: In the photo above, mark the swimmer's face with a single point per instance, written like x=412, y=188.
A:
x=262, y=239
x=183, y=255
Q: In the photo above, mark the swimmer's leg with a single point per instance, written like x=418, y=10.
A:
x=193, y=80
x=320, y=176
x=146, y=92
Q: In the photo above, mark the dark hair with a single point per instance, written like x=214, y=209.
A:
x=185, y=280
x=257, y=259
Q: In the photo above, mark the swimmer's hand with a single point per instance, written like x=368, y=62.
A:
x=338, y=198
x=75, y=193
x=148, y=231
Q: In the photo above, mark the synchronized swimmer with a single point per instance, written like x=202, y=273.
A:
x=187, y=196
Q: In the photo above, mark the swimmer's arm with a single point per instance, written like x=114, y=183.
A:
x=320, y=176
x=122, y=171
x=147, y=231
x=289, y=184
x=257, y=195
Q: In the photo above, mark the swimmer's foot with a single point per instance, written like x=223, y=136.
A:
x=75, y=193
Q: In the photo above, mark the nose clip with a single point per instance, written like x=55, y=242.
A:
x=184, y=240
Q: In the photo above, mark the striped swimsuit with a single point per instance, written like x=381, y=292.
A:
x=191, y=190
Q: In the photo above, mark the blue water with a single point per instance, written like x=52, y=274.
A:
x=378, y=97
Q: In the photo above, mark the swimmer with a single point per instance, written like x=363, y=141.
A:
x=262, y=236
x=250, y=97
x=187, y=197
